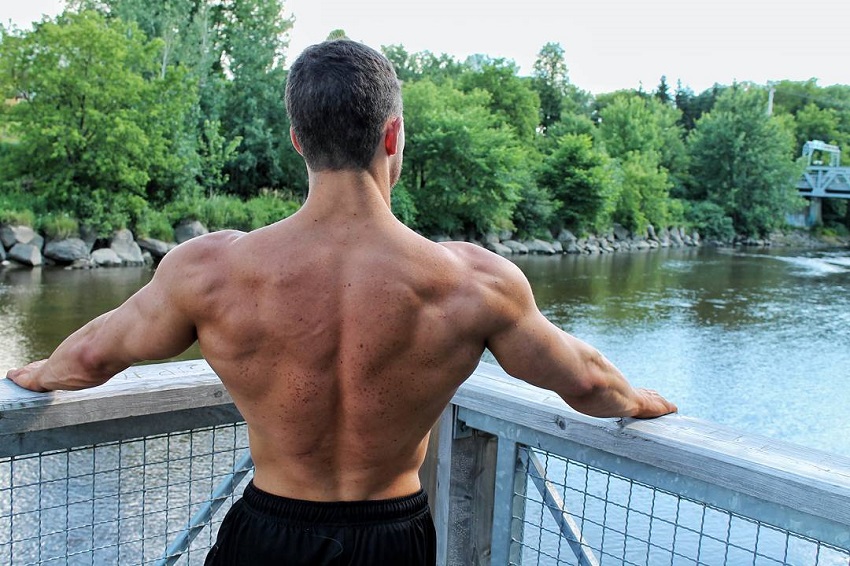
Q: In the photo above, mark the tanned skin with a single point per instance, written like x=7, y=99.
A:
x=341, y=336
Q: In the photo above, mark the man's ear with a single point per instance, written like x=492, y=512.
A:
x=295, y=142
x=392, y=134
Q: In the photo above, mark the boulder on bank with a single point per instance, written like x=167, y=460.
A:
x=67, y=251
x=537, y=246
x=566, y=237
x=26, y=254
x=491, y=238
x=126, y=248
x=515, y=247
x=620, y=232
x=157, y=248
x=185, y=231
x=498, y=248
x=106, y=257
x=650, y=232
x=11, y=235
x=676, y=237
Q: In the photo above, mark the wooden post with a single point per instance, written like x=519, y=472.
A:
x=435, y=476
x=473, y=476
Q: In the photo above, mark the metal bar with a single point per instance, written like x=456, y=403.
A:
x=518, y=511
x=552, y=500
x=500, y=539
x=205, y=513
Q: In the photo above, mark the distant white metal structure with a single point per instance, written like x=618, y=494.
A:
x=824, y=176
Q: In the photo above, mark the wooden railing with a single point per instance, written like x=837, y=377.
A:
x=496, y=435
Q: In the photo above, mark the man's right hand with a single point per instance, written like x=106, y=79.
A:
x=27, y=376
x=652, y=404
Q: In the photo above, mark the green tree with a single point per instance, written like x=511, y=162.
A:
x=254, y=36
x=551, y=81
x=643, y=195
x=463, y=171
x=662, y=93
x=814, y=123
x=424, y=64
x=233, y=53
x=511, y=98
x=643, y=133
x=743, y=161
x=96, y=125
x=215, y=153
x=694, y=106
x=634, y=123
x=578, y=176
x=792, y=96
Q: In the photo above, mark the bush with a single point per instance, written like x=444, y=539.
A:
x=16, y=217
x=221, y=212
x=15, y=206
x=154, y=224
x=269, y=208
x=711, y=221
x=534, y=214
x=403, y=205
x=58, y=226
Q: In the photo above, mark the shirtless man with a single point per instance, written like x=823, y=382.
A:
x=341, y=336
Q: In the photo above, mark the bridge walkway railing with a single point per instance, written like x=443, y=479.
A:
x=142, y=469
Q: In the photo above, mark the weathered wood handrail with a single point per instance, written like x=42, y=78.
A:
x=677, y=451
x=806, y=479
x=150, y=399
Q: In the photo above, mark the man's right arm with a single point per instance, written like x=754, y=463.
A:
x=531, y=348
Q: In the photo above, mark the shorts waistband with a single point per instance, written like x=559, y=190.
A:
x=335, y=512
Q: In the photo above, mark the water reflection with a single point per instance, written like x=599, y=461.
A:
x=757, y=340
x=40, y=307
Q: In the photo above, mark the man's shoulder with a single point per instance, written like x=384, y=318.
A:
x=202, y=247
x=199, y=257
x=478, y=260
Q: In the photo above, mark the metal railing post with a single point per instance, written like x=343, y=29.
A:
x=202, y=518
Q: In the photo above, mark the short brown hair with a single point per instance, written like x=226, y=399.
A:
x=339, y=95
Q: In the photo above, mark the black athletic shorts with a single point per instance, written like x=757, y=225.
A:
x=263, y=529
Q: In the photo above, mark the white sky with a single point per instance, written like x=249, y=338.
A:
x=609, y=44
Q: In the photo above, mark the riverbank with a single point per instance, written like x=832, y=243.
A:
x=23, y=246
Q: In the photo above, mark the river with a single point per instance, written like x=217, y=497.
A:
x=755, y=339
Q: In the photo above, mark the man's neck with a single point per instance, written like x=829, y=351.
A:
x=347, y=193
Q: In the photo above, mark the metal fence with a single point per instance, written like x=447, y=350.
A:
x=514, y=477
x=121, y=502
x=577, y=514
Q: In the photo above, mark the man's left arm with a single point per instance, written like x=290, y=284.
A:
x=150, y=325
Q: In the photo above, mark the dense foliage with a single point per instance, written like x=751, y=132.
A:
x=131, y=113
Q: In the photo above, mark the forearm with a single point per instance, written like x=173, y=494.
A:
x=605, y=392
x=76, y=364
x=599, y=389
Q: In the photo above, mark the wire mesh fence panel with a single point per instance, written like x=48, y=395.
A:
x=115, y=503
x=619, y=521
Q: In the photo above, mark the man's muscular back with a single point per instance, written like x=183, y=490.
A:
x=340, y=343
x=340, y=333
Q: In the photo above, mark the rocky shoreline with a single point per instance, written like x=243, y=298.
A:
x=23, y=246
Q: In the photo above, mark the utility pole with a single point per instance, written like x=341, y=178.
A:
x=770, y=85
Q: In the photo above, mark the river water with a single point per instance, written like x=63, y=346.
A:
x=755, y=339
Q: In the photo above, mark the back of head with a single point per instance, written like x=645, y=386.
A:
x=339, y=95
